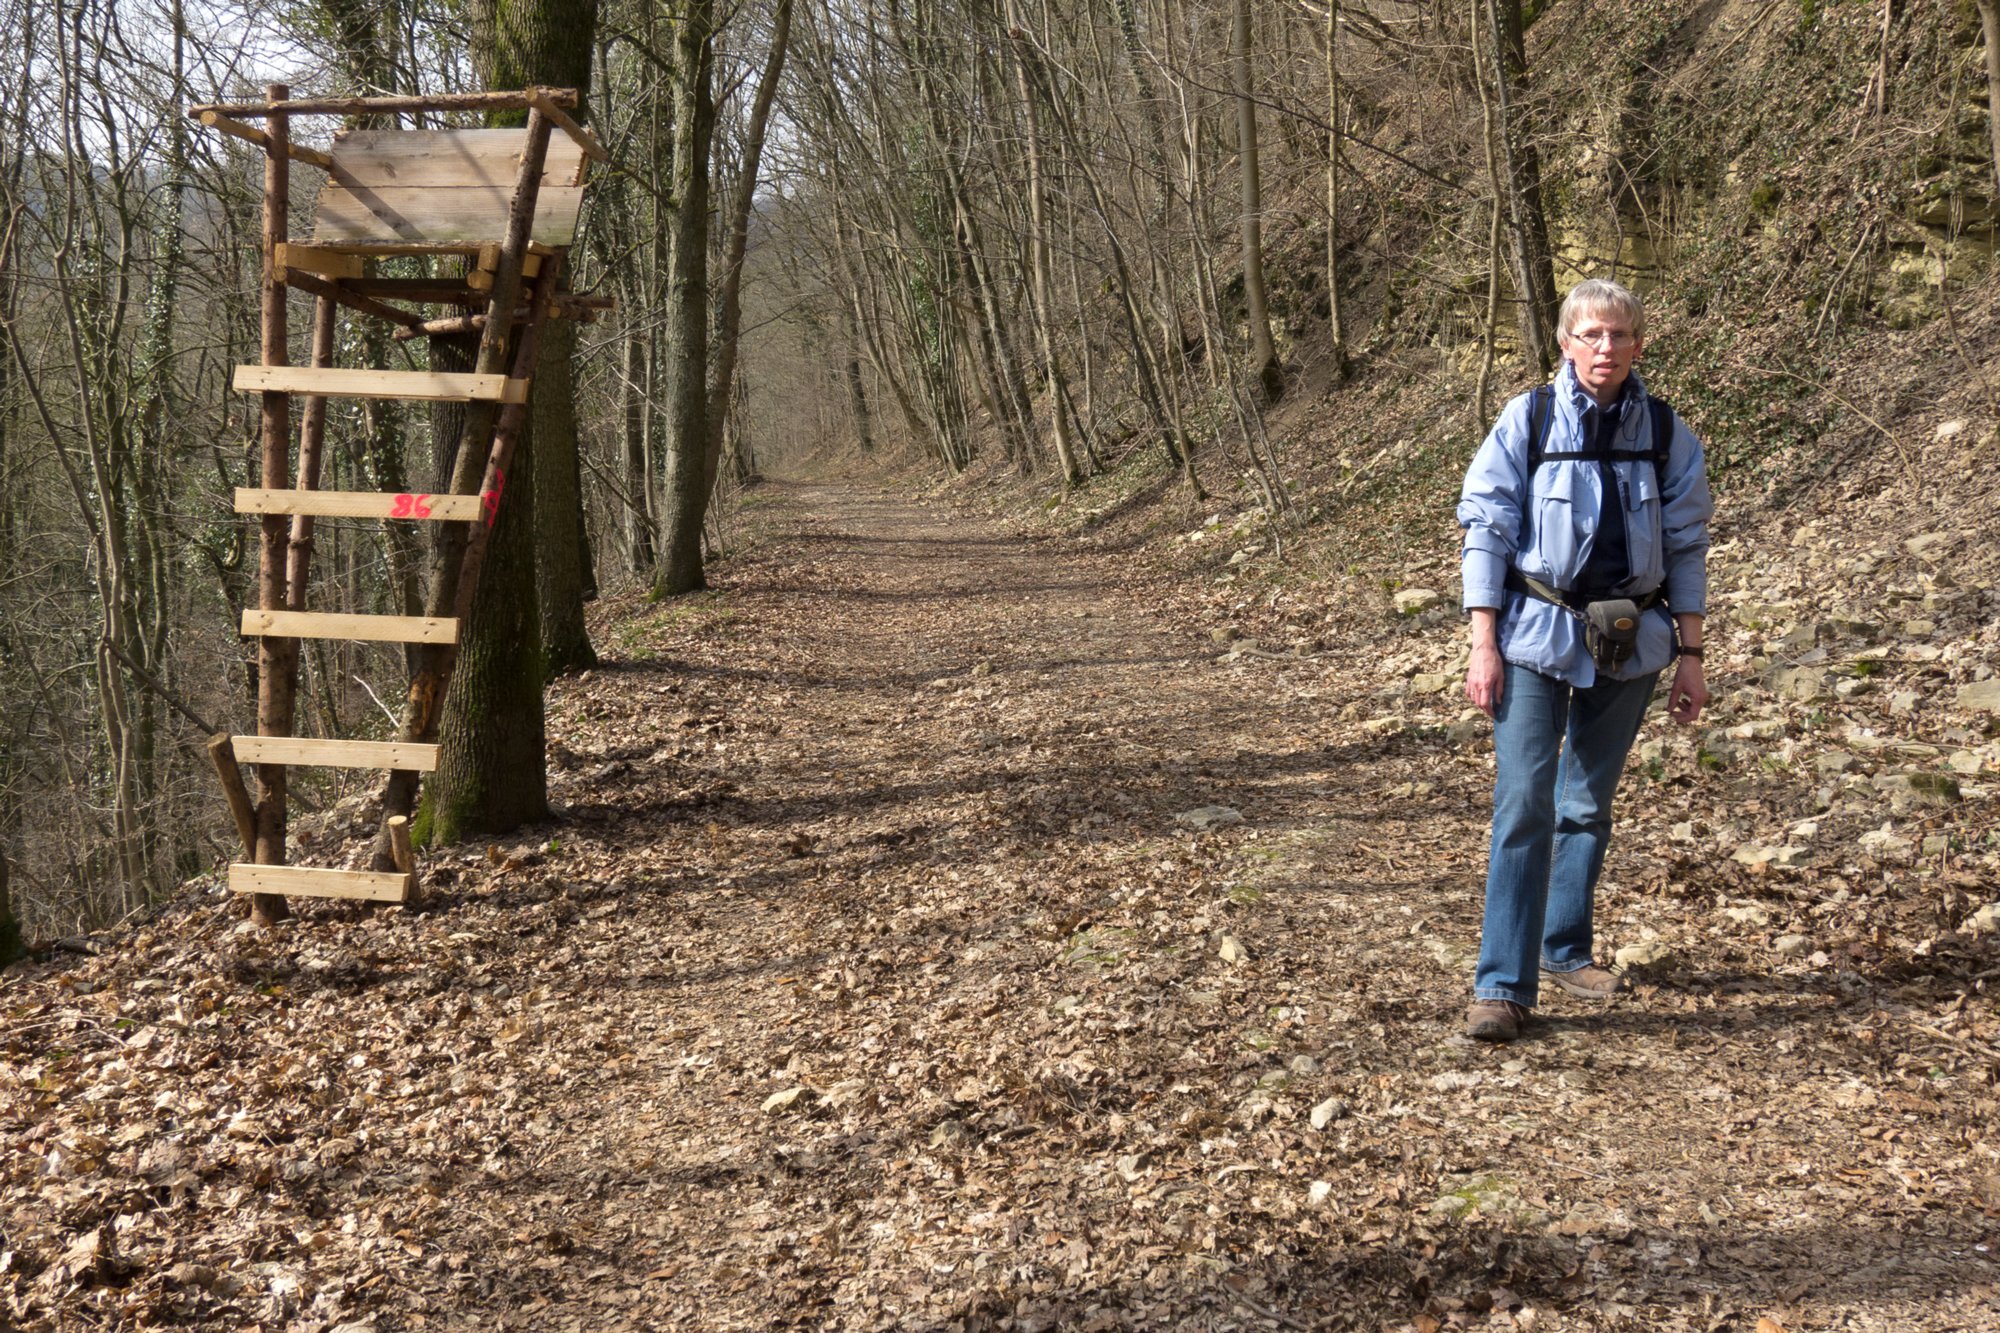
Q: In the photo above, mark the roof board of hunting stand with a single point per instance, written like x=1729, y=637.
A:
x=503, y=202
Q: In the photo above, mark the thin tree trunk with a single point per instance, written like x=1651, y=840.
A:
x=1989, y=27
x=1041, y=287
x=1264, y=366
x=685, y=322
x=1336, y=334
x=638, y=454
x=1534, y=273
x=729, y=302
x=1490, y=327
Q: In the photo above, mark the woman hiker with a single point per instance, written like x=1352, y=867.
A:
x=1585, y=566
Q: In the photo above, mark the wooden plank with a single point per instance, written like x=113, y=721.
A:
x=318, y=259
x=371, y=106
x=359, y=504
x=312, y=882
x=446, y=158
x=421, y=385
x=431, y=214
x=334, y=625
x=322, y=753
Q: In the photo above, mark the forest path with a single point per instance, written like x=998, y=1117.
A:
x=867, y=979
x=931, y=1011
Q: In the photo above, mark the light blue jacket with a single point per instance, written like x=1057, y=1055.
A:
x=1544, y=525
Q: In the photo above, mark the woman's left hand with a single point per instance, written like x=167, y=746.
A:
x=1690, y=691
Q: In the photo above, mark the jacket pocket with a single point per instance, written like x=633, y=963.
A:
x=1564, y=510
x=1642, y=524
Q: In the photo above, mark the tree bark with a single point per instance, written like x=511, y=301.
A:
x=1041, y=288
x=528, y=43
x=10, y=930
x=1533, y=269
x=562, y=567
x=492, y=773
x=1264, y=366
x=1336, y=334
x=1989, y=27
x=729, y=300
x=685, y=318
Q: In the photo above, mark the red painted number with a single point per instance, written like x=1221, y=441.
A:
x=411, y=506
x=490, y=500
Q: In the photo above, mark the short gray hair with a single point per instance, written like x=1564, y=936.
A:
x=1601, y=294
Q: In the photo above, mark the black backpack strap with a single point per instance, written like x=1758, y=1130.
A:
x=1663, y=438
x=1541, y=411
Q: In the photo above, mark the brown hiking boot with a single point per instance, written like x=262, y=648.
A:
x=1590, y=981
x=1494, y=1020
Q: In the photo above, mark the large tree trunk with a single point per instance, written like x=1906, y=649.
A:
x=491, y=775
x=1264, y=367
x=562, y=568
x=521, y=43
x=685, y=319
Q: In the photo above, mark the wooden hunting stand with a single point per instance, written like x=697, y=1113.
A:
x=507, y=201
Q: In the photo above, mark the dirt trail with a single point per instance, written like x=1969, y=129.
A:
x=870, y=981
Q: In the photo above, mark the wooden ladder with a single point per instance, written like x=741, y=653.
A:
x=505, y=199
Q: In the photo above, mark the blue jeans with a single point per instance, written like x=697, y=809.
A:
x=1558, y=750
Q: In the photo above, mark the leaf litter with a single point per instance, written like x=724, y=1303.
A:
x=869, y=977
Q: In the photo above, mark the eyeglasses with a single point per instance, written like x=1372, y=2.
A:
x=1616, y=338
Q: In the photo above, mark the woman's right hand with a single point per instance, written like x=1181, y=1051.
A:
x=1485, y=674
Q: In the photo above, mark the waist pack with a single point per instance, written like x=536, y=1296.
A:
x=1610, y=624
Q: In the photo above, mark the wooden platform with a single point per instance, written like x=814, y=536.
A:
x=422, y=187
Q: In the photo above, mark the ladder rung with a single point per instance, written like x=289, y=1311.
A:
x=330, y=625
x=358, y=504
x=418, y=385
x=311, y=882
x=322, y=753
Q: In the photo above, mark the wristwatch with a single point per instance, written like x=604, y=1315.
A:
x=1691, y=652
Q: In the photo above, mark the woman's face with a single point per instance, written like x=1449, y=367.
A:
x=1601, y=349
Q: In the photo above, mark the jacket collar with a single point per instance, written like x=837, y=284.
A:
x=1572, y=392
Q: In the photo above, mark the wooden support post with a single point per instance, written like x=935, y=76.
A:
x=222, y=753
x=215, y=120
x=448, y=325
x=405, y=855
x=277, y=659
x=541, y=100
